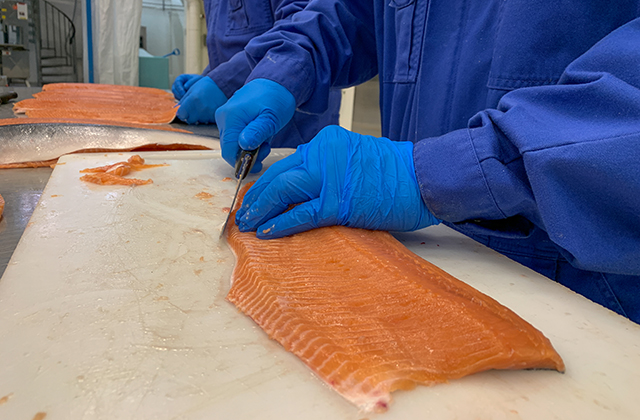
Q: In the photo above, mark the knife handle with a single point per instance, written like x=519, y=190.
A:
x=7, y=96
x=245, y=162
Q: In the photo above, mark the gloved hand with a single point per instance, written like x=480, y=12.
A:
x=340, y=178
x=182, y=84
x=200, y=103
x=250, y=119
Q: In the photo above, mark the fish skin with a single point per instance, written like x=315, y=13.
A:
x=25, y=143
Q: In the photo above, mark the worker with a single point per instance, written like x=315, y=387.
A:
x=516, y=123
x=230, y=26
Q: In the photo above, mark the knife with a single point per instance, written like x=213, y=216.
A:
x=244, y=163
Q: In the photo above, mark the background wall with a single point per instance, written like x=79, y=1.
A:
x=165, y=25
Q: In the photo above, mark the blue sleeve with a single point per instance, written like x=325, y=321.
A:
x=565, y=157
x=232, y=74
x=329, y=43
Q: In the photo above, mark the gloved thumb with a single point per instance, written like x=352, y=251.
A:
x=300, y=218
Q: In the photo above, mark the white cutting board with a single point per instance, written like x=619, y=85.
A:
x=113, y=307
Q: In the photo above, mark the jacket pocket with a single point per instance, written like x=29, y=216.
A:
x=406, y=20
x=535, y=42
x=255, y=18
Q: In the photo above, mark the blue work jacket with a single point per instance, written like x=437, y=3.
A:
x=230, y=26
x=525, y=116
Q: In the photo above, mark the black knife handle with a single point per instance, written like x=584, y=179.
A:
x=245, y=162
x=7, y=96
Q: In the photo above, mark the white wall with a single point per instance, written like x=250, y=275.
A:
x=165, y=31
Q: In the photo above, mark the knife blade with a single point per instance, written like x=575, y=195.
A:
x=244, y=163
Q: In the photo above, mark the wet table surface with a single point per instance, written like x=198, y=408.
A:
x=21, y=188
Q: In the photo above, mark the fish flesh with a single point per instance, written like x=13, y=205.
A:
x=124, y=114
x=1, y=206
x=370, y=317
x=114, y=174
x=130, y=104
x=41, y=144
x=134, y=163
x=80, y=102
x=102, y=88
x=104, y=178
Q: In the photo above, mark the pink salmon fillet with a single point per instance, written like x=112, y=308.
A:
x=370, y=317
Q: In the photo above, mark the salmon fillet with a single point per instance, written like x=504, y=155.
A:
x=122, y=114
x=105, y=88
x=1, y=206
x=86, y=102
x=370, y=317
x=129, y=104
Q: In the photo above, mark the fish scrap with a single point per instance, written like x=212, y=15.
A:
x=114, y=174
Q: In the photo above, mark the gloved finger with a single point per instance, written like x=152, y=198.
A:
x=265, y=149
x=299, y=219
x=258, y=131
x=270, y=174
x=178, y=90
x=294, y=186
x=229, y=148
x=191, y=82
x=186, y=111
x=178, y=86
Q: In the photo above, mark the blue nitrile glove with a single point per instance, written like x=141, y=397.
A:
x=199, y=104
x=341, y=178
x=250, y=119
x=182, y=84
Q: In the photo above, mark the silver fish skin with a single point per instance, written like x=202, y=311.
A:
x=41, y=142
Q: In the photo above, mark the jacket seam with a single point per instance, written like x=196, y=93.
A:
x=555, y=146
x=453, y=75
x=621, y=136
x=484, y=178
x=611, y=295
x=536, y=79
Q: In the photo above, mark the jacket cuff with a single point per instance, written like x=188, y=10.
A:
x=451, y=179
x=287, y=72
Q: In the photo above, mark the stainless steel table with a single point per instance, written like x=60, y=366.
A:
x=21, y=190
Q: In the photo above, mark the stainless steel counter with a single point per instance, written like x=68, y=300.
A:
x=21, y=190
